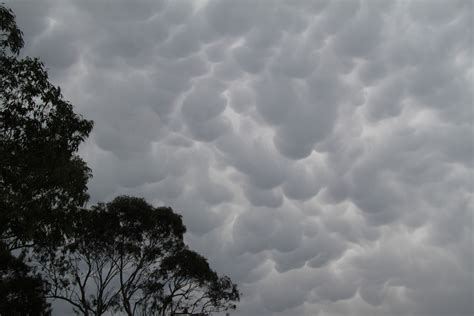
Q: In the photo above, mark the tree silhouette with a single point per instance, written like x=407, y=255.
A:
x=123, y=256
x=21, y=291
x=129, y=256
x=42, y=180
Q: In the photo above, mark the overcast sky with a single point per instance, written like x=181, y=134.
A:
x=321, y=153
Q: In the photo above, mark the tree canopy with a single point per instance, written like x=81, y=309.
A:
x=125, y=255
x=42, y=179
x=22, y=292
x=11, y=38
x=129, y=256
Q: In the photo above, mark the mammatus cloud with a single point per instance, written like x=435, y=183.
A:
x=320, y=151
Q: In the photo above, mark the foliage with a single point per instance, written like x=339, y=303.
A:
x=11, y=38
x=129, y=256
x=42, y=180
x=188, y=283
x=123, y=256
x=21, y=291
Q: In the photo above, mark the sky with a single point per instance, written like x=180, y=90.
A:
x=320, y=152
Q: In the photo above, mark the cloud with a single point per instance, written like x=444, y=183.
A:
x=320, y=151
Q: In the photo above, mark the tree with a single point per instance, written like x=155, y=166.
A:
x=22, y=292
x=42, y=179
x=187, y=283
x=129, y=256
x=125, y=255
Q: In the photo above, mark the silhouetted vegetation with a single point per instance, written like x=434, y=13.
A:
x=21, y=291
x=129, y=256
x=43, y=181
x=125, y=255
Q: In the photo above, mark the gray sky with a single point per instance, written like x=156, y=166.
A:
x=321, y=153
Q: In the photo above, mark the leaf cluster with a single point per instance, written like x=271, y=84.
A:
x=125, y=255
x=129, y=256
x=11, y=38
x=42, y=179
x=22, y=291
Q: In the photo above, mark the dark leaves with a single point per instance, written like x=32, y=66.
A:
x=42, y=180
x=41, y=176
x=22, y=292
x=10, y=36
x=141, y=248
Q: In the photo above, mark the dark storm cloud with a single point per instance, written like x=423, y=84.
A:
x=320, y=151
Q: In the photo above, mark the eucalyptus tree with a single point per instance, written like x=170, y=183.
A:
x=129, y=256
x=42, y=179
